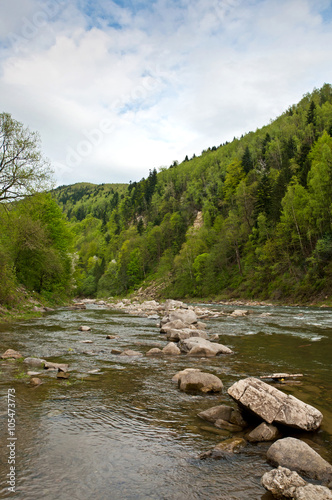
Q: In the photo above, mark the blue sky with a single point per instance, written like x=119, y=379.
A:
x=118, y=87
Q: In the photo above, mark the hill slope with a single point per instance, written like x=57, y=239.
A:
x=263, y=211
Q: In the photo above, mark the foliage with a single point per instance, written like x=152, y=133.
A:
x=249, y=218
x=23, y=170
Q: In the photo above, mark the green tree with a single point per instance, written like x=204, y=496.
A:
x=23, y=170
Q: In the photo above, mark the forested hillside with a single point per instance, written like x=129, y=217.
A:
x=251, y=218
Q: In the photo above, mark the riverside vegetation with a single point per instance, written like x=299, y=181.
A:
x=249, y=219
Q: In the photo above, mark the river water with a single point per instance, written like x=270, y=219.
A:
x=126, y=432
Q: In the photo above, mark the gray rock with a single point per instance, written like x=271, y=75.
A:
x=130, y=352
x=224, y=417
x=171, y=350
x=185, y=333
x=187, y=316
x=200, y=381
x=299, y=456
x=284, y=483
x=264, y=432
x=312, y=492
x=273, y=405
x=36, y=362
x=187, y=345
x=225, y=448
x=35, y=381
x=239, y=312
x=11, y=354
x=84, y=328
x=155, y=351
x=172, y=325
x=178, y=375
x=49, y=365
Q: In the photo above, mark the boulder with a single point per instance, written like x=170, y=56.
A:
x=11, y=354
x=84, y=328
x=111, y=337
x=62, y=374
x=172, y=325
x=212, y=348
x=185, y=333
x=274, y=406
x=299, y=456
x=36, y=362
x=200, y=381
x=187, y=316
x=312, y=492
x=239, y=312
x=264, y=432
x=155, y=351
x=171, y=349
x=174, y=304
x=284, y=483
x=178, y=375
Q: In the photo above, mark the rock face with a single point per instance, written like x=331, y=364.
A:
x=299, y=456
x=264, y=432
x=11, y=354
x=196, y=346
x=284, y=483
x=199, y=381
x=273, y=405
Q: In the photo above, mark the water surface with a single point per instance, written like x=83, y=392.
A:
x=126, y=432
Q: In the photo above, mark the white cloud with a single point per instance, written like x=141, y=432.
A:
x=171, y=78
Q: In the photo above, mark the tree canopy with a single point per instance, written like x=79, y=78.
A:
x=23, y=169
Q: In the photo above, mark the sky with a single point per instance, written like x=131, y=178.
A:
x=116, y=88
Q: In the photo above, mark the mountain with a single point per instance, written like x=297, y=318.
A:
x=251, y=218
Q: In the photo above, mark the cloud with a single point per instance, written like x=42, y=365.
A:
x=169, y=77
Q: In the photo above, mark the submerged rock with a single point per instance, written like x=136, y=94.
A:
x=11, y=354
x=225, y=449
x=274, y=406
x=36, y=362
x=299, y=456
x=130, y=352
x=84, y=328
x=35, y=381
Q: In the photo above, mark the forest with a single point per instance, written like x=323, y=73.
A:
x=250, y=218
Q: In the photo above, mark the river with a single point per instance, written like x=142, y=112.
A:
x=125, y=432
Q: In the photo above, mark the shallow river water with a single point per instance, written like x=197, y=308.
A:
x=127, y=432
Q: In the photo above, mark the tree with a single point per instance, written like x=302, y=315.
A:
x=23, y=170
